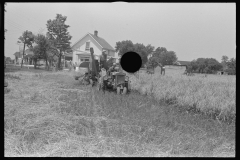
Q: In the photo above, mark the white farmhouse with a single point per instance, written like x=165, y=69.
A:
x=81, y=49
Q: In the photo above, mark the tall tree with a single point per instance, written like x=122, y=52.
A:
x=59, y=36
x=124, y=46
x=27, y=38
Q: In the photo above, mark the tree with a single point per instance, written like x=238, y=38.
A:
x=165, y=57
x=201, y=64
x=193, y=66
x=231, y=66
x=149, y=49
x=212, y=65
x=27, y=38
x=59, y=37
x=36, y=54
x=225, y=59
x=224, y=62
x=204, y=65
x=43, y=47
x=142, y=51
x=152, y=62
x=124, y=46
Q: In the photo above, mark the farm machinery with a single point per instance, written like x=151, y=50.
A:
x=90, y=76
x=105, y=77
x=117, y=82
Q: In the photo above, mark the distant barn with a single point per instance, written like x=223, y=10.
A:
x=179, y=65
x=222, y=73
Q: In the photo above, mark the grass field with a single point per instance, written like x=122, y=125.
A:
x=214, y=95
x=48, y=114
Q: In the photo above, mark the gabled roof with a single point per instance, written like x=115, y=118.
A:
x=18, y=54
x=184, y=62
x=103, y=43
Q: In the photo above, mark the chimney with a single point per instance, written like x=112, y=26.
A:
x=96, y=33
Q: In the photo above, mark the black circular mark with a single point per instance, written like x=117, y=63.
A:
x=131, y=62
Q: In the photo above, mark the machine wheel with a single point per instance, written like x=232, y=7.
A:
x=81, y=81
x=118, y=90
x=124, y=90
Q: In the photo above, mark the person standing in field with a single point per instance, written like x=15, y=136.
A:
x=162, y=70
x=103, y=59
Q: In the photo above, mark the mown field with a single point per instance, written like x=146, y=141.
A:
x=48, y=114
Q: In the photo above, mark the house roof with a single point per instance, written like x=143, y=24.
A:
x=18, y=54
x=184, y=62
x=102, y=42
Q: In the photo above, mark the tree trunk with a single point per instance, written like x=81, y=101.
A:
x=46, y=64
x=23, y=54
x=35, y=63
x=59, y=60
x=49, y=64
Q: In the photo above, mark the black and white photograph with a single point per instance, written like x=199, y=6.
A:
x=119, y=79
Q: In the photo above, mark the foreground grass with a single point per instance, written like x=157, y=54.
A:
x=49, y=114
x=214, y=95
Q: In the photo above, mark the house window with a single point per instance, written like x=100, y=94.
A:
x=87, y=46
x=84, y=59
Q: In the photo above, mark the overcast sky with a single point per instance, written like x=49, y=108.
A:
x=192, y=30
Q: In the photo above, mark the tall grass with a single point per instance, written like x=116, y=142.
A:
x=49, y=114
x=213, y=95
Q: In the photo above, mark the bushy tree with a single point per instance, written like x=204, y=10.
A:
x=204, y=65
x=152, y=62
x=128, y=46
x=59, y=36
x=229, y=65
x=43, y=48
x=124, y=46
x=164, y=56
